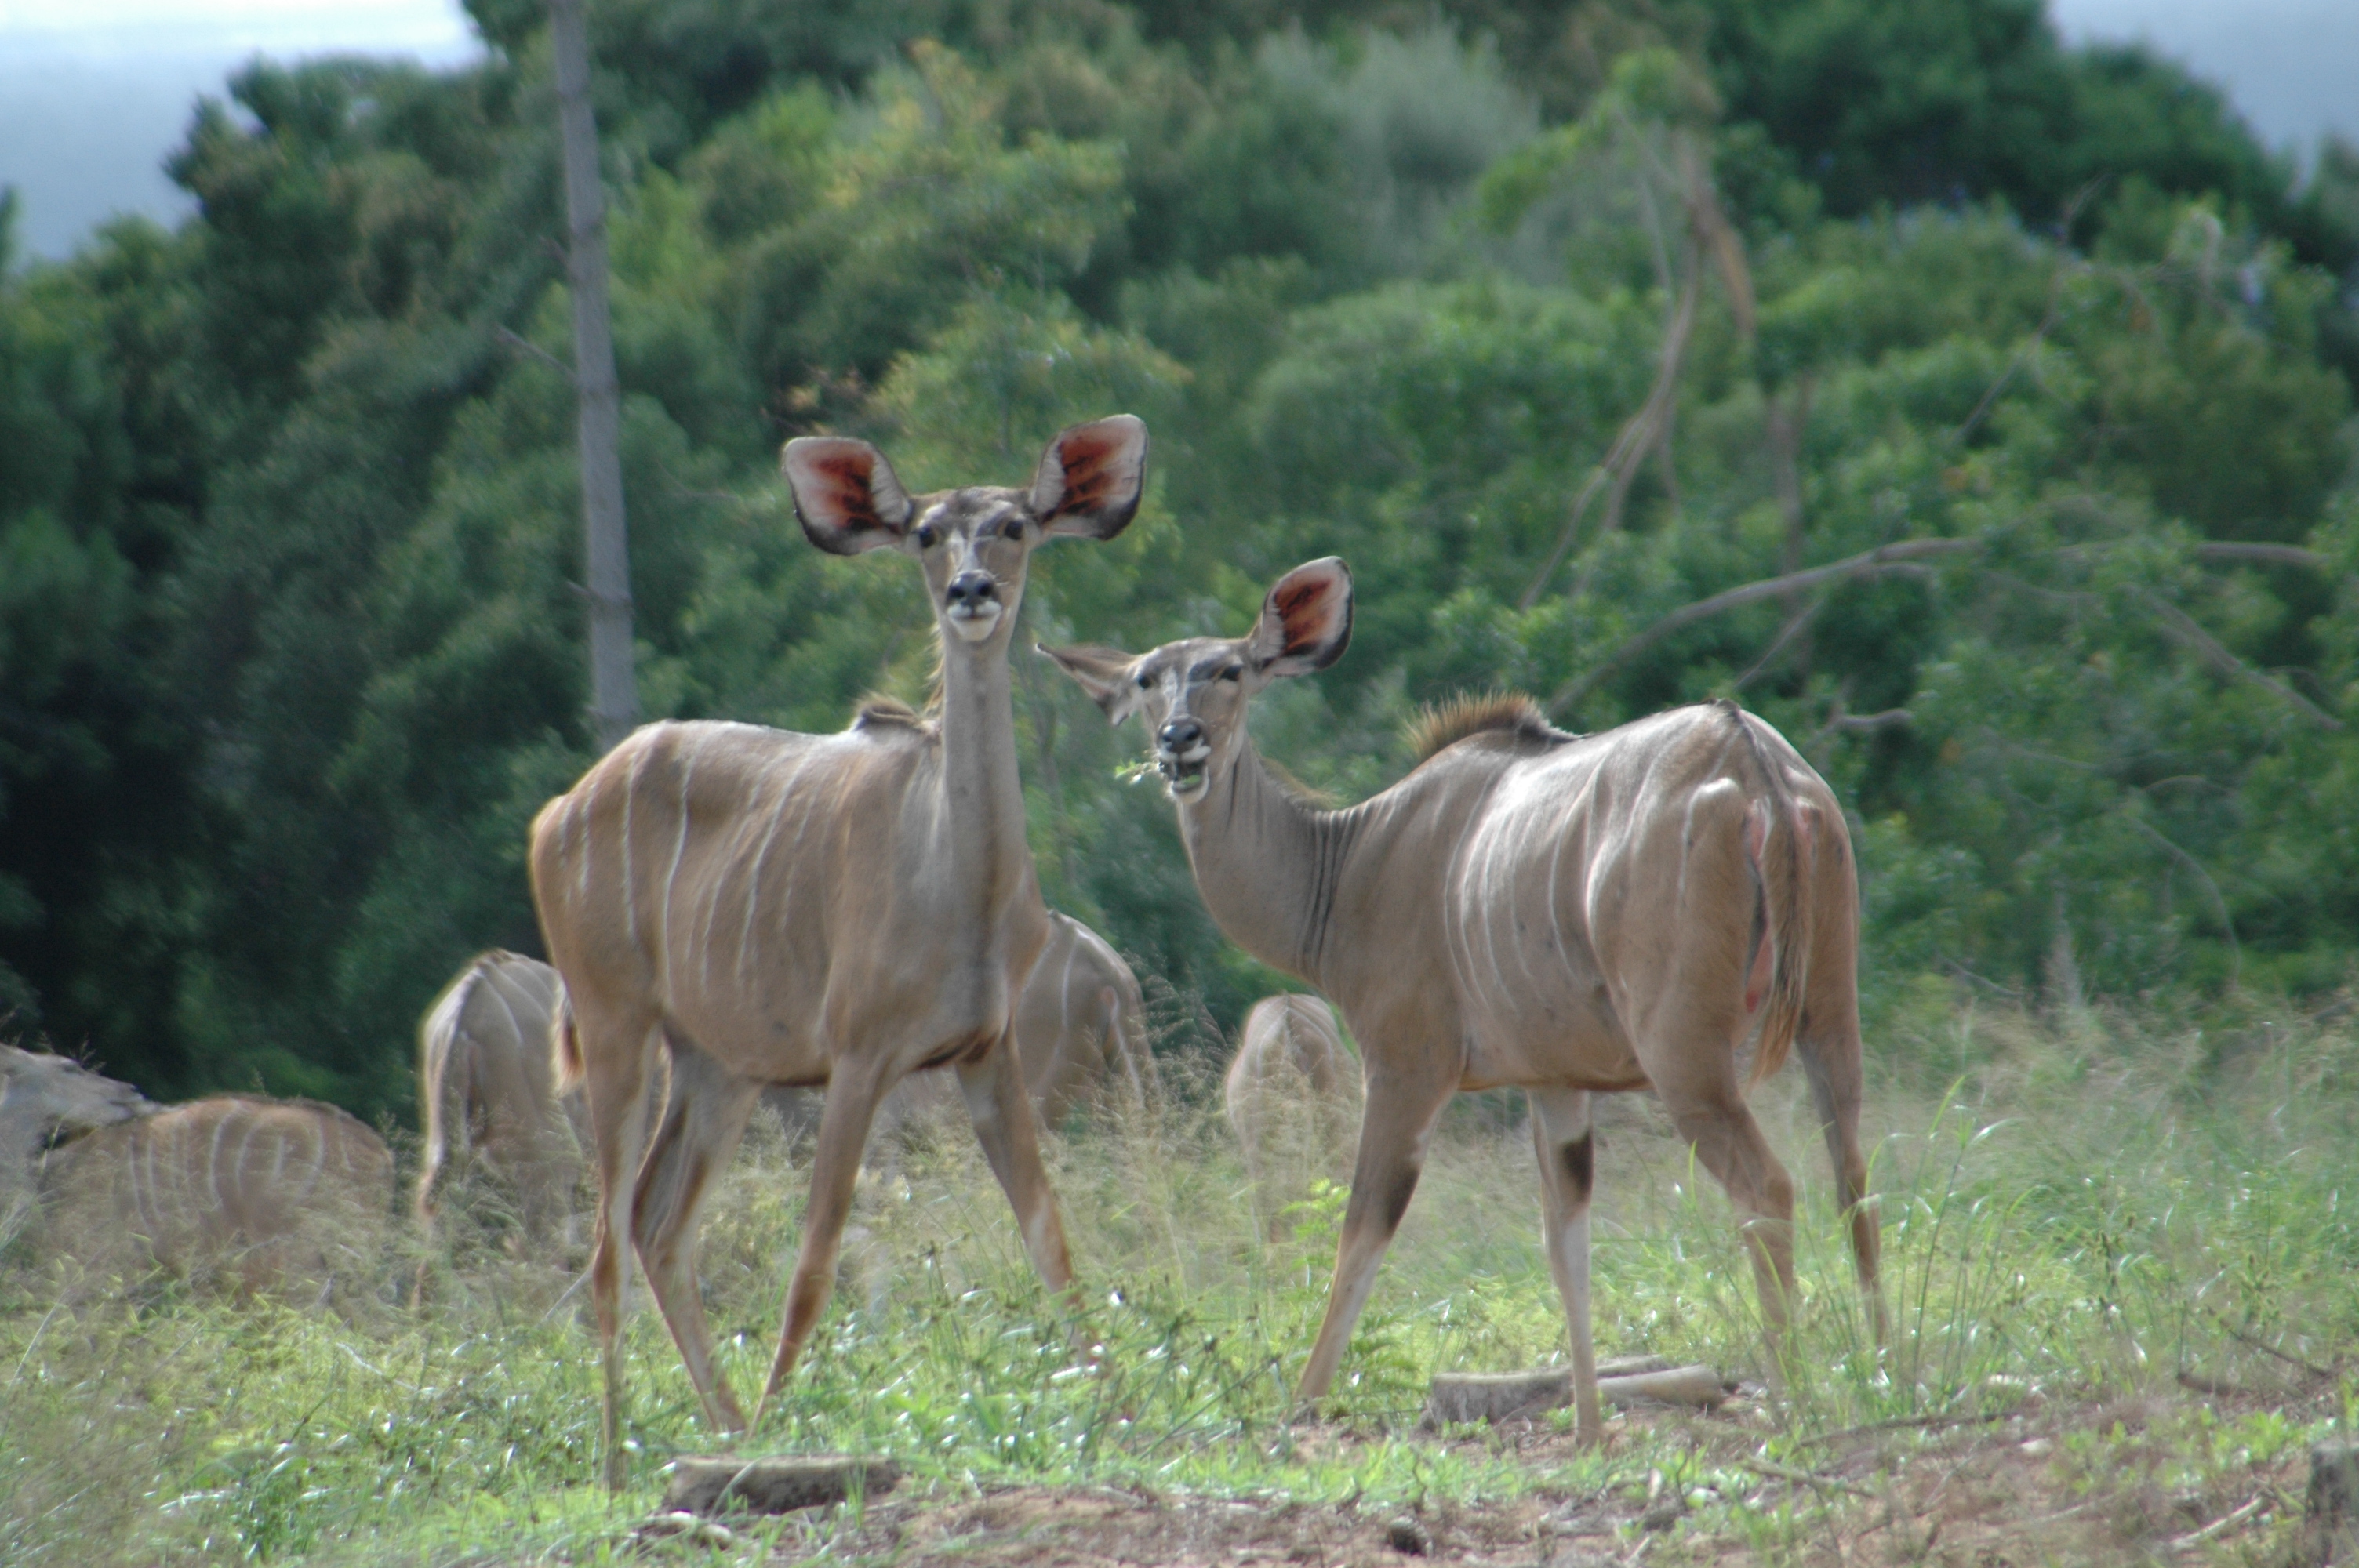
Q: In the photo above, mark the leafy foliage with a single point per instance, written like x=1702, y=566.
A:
x=1556, y=321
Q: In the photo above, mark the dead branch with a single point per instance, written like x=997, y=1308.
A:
x=1778, y=1472
x=2219, y=901
x=2182, y=626
x=1637, y=437
x=1885, y=560
x=1851, y=723
x=2272, y=554
x=2241, y=1337
x=527, y=346
x=1908, y=1422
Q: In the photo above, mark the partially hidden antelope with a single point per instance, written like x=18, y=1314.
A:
x=1292, y=1094
x=816, y=911
x=267, y=1194
x=1565, y=915
x=487, y=1089
x=1081, y=1031
x=45, y=1098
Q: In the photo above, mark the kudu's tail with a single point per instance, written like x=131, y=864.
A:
x=1779, y=840
x=438, y=1035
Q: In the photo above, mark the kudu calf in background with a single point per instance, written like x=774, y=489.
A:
x=1081, y=1031
x=263, y=1194
x=1559, y=913
x=44, y=1098
x=487, y=1087
x=832, y=911
x=1292, y=1094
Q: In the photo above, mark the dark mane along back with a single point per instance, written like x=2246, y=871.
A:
x=1441, y=724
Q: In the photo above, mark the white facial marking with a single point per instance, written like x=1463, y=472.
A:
x=973, y=622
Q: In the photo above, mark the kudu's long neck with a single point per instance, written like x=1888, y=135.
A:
x=983, y=796
x=1267, y=865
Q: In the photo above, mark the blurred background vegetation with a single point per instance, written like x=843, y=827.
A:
x=1588, y=334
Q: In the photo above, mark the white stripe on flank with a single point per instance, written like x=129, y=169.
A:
x=213, y=1163
x=253, y=1125
x=678, y=849
x=786, y=781
x=578, y=804
x=630, y=893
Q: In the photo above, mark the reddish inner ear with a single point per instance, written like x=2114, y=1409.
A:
x=1087, y=459
x=848, y=499
x=1308, y=614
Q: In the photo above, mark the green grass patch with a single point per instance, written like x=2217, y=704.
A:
x=2073, y=1215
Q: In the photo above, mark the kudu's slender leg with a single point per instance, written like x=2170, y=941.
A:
x=1832, y=1063
x=1002, y=1113
x=854, y=1087
x=1567, y=1152
x=703, y=1121
x=1394, y=1127
x=1714, y=1121
x=615, y=1055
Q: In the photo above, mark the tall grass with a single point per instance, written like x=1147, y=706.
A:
x=2073, y=1210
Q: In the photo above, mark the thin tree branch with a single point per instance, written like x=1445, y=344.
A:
x=2272, y=554
x=527, y=346
x=1620, y=464
x=2219, y=901
x=2181, y=626
x=1885, y=560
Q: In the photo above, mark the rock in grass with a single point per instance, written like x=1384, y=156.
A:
x=1638, y=1380
x=775, y=1485
x=2334, y=1502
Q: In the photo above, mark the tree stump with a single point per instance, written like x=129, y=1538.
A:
x=775, y=1485
x=2334, y=1502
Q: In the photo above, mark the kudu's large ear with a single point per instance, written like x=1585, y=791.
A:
x=1306, y=621
x=1104, y=673
x=846, y=495
x=1090, y=478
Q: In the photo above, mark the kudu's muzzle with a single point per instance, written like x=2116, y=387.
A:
x=1181, y=751
x=971, y=604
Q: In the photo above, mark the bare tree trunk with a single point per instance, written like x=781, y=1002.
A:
x=613, y=695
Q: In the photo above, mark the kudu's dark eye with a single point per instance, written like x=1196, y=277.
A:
x=1142, y=681
x=1015, y=531
x=1232, y=672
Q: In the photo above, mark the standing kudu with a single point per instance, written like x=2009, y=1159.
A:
x=1564, y=914
x=831, y=911
x=487, y=1088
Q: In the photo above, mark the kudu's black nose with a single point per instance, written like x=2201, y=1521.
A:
x=975, y=589
x=1181, y=736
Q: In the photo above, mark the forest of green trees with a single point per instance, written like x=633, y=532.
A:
x=1555, y=320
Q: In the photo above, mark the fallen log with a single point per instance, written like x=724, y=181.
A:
x=1511, y=1395
x=775, y=1485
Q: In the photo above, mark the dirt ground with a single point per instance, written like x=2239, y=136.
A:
x=2006, y=1493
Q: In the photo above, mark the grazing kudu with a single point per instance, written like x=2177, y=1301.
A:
x=1292, y=1095
x=487, y=1086
x=831, y=911
x=1528, y=908
x=44, y=1098
x=269, y=1193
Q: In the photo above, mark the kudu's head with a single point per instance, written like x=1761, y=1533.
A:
x=975, y=544
x=43, y=1098
x=1192, y=693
